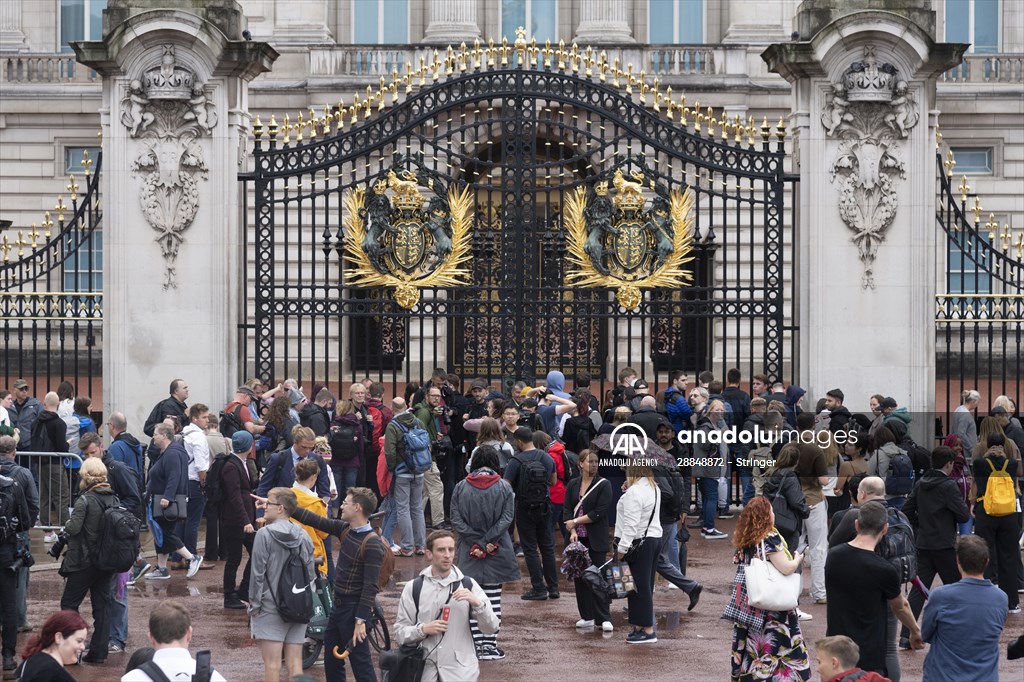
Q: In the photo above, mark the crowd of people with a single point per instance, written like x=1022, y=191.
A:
x=472, y=481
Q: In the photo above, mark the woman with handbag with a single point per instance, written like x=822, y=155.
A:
x=637, y=538
x=766, y=644
x=783, y=491
x=587, y=501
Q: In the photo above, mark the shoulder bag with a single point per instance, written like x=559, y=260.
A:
x=767, y=588
x=631, y=554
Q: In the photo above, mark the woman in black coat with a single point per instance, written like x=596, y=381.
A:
x=588, y=500
x=782, y=488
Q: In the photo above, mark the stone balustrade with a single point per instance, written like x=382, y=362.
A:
x=44, y=68
x=987, y=68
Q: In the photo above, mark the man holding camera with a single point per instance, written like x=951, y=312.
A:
x=436, y=418
x=16, y=488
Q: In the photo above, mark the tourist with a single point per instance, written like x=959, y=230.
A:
x=280, y=471
x=170, y=633
x=366, y=474
x=124, y=447
x=174, y=407
x=168, y=479
x=49, y=434
x=306, y=473
x=588, y=500
x=765, y=644
x=237, y=519
x=964, y=425
x=1002, y=531
x=964, y=620
x=24, y=412
x=677, y=408
x=782, y=489
x=348, y=443
x=198, y=448
x=59, y=643
x=812, y=469
x=483, y=507
x=272, y=548
x=435, y=418
x=406, y=484
x=219, y=446
x=240, y=408
x=837, y=661
x=707, y=458
x=861, y=587
x=637, y=517
x=525, y=472
x=491, y=435
x=17, y=486
x=855, y=450
x=439, y=605
x=317, y=414
x=884, y=450
x=279, y=423
x=961, y=475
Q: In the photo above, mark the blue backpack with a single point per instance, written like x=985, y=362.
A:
x=416, y=451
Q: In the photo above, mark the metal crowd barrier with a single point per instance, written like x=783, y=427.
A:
x=56, y=476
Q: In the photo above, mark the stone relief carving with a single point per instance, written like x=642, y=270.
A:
x=167, y=111
x=870, y=109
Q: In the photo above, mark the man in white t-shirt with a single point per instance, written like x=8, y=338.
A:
x=170, y=632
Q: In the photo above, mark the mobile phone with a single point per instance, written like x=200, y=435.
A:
x=445, y=612
x=802, y=549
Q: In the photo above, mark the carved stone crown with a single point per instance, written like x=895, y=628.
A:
x=869, y=81
x=169, y=81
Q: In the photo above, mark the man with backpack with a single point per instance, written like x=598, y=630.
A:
x=17, y=516
x=934, y=509
x=170, y=633
x=531, y=472
x=435, y=416
x=407, y=453
x=436, y=607
x=894, y=465
x=995, y=515
x=280, y=591
x=280, y=471
x=317, y=414
x=124, y=447
x=238, y=417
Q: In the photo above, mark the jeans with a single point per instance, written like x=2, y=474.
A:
x=196, y=505
x=8, y=605
x=815, y=531
x=673, y=547
x=54, y=494
x=663, y=563
x=339, y=634
x=746, y=483
x=538, y=548
x=641, y=600
x=117, y=614
x=892, y=653
x=233, y=538
x=709, y=495
x=408, y=503
x=592, y=606
x=97, y=585
x=345, y=478
x=387, y=526
x=896, y=503
x=967, y=527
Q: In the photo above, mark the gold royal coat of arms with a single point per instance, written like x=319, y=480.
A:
x=405, y=241
x=615, y=241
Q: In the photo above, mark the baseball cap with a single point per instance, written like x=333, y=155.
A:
x=246, y=390
x=997, y=410
x=525, y=392
x=640, y=383
x=887, y=403
x=241, y=442
x=478, y=383
x=21, y=383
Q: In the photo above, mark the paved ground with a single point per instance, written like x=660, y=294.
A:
x=538, y=637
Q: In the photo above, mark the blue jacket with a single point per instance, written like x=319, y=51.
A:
x=677, y=409
x=169, y=476
x=963, y=622
x=127, y=450
x=280, y=472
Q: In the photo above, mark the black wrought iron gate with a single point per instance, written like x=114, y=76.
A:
x=521, y=136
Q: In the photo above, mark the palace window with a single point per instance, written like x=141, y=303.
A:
x=973, y=160
x=74, y=160
x=83, y=270
x=975, y=22
x=380, y=22
x=675, y=22
x=80, y=20
x=539, y=17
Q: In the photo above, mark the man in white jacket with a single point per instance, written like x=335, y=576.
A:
x=434, y=612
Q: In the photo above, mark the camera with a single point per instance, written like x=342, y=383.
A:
x=528, y=419
x=58, y=546
x=445, y=413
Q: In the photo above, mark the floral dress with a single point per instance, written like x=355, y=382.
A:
x=766, y=645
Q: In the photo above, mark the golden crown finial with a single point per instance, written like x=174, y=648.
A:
x=6, y=248
x=34, y=235
x=257, y=128
x=47, y=225
x=992, y=225
x=976, y=209
x=1020, y=246
x=1006, y=238
x=950, y=163
x=964, y=189
x=73, y=188
x=287, y=130
x=60, y=208
x=299, y=125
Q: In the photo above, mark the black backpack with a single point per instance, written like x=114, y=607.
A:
x=204, y=671
x=10, y=524
x=899, y=479
x=118, y=544
x=294, y=594
x=231, y=422
x=344, y=442
x=578, y=432
x=897, y=546
x=532, y=484
x=570, y=466
x=673, y=492
x=214, y=491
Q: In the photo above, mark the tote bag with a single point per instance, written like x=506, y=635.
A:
x=767, y=588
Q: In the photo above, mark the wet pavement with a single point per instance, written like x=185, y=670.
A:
x=539, y=638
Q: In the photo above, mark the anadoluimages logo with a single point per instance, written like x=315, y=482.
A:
x=628, y=440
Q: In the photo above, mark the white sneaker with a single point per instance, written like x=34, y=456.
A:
x=673, y=586
x=50, y=537
x=193, y=565
x=396, y=549
x=581, y=623
x=804, y=616
x=607, y=626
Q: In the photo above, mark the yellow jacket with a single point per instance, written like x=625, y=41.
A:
x=316, y=505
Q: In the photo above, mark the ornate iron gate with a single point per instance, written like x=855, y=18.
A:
x=520, y=128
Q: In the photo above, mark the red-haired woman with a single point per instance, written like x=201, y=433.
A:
x=59, y=643
x=766, y=645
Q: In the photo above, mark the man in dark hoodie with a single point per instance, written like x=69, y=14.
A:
x=794, y=394
x=124, y=447
x=736, y=397
x=935, y=508
x=172, y=406
x=316, y=415
x=648, y=418
x=839, y=416
x=49, y=434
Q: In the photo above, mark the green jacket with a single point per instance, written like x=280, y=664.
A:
x=394, y=437
x=426, y=415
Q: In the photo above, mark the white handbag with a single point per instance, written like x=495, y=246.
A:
x=767, y=588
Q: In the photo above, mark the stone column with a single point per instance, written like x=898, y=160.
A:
x=604, y=21
x=301, y=23
x=175, y=128
x=452, y=22
x=864, y=142
x=758, y=21
x=12, y=38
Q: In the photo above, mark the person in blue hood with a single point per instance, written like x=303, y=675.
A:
x=556, y=384
x=794, y=394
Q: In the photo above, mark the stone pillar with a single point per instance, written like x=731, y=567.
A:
x=603, y=21
x=301, y=23
x=452, y=22
x=863, y=123
x=175, y=126
x=758, y=21
x=12, y=38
